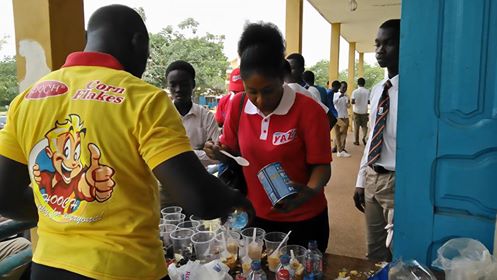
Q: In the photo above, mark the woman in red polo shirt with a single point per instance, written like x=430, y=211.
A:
x=278, y=124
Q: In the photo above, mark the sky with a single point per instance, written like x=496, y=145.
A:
x=220, y=17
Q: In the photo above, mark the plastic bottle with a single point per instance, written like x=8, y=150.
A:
x=285, y=271
x=313, y=261
x=257, y=273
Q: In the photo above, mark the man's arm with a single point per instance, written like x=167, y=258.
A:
x=16, y=197
x=196, y=190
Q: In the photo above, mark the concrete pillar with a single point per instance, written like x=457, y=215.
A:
x=334, y=52
x=360, y=66
x=351, y=70
x=46, y=32
x=351, y=81
x=293, y=26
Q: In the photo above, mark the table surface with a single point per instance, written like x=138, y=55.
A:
x=356, y=269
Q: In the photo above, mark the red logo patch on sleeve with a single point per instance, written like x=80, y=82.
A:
x=46, y=89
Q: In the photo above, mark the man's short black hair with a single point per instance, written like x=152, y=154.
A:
x=297, y=57
x=361, y=82
x=308, y=77
x=181, y=65
x=393, y=24
x=343, y=83
x=335, y=83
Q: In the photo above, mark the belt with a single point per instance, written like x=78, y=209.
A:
x=380, y=169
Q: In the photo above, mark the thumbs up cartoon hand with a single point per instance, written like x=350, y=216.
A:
x=98, y=176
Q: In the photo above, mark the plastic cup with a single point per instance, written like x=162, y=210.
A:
x=230, y=244
x=174, y=218
x=204, y=243
x=246, y=263
x=253, y=248
x=209, y=227
x=299, y=252
x=195, y=218
x=170, y=210
x=165, y=231
x=272, y=240
x=248, y=233
x=189, y=224
x=182, y=243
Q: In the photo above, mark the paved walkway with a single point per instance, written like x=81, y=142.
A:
x=347, y=226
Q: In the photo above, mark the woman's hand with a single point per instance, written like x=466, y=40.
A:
x=304, y=194
x=212, y=150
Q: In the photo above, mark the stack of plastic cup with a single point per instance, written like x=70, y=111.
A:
x=204, y=243
x=165, y=231
x=174, y=218
x=253, y=247
x=182, y=243
x=272, y=240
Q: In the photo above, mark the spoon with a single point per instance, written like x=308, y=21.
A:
x=240, y=160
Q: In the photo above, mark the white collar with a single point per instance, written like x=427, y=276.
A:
x=285, y=105
x=394, y=80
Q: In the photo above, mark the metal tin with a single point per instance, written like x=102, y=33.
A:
x=275, y=182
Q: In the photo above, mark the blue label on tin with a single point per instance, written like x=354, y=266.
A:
x=275, y=182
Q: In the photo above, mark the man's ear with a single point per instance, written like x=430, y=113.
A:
x=140, y=43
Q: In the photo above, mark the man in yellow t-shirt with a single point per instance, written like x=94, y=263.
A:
x=91, y=139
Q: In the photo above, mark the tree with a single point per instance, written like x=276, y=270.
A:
x=372, y=74
x=320, y=70
x=8, y=80
x=205, y=53
x=141, y=12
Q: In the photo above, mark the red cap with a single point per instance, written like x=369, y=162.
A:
x=236, y=83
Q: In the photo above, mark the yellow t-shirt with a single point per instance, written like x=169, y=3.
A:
x=90, y=135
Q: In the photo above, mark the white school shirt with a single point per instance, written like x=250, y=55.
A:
x=200, y=126
x=341, y=104
x=300, y=89
x=361, y=98
x=387, y=158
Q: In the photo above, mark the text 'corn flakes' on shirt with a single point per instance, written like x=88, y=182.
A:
x=90, y=134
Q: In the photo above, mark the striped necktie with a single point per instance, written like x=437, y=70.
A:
x=379, y=126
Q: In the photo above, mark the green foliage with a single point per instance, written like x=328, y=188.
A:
x=320, y=70
x=141, y=12
x=205, y=53
x=372, y=74
x=8, y=80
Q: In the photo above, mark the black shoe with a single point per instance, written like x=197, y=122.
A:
x=364, y=141
x=334, y=150
x=356, y=143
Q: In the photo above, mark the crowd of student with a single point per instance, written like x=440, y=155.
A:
x=93, y=164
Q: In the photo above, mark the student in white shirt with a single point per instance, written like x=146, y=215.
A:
x=375, y=187
x=341, y=103
x=199, y=123
x=360, y=101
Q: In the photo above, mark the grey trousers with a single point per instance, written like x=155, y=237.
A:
x=13, y=246
x=379, y=196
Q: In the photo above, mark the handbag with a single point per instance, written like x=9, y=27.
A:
x=231, y=173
